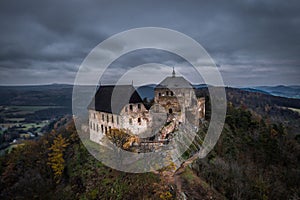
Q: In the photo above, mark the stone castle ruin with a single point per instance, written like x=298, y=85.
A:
x=121, y=107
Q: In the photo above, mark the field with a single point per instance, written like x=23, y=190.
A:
x=23, y=110
x=20, y=123
x=17, y=114
x=295, y=110
x=10, y=148
x=38, y=125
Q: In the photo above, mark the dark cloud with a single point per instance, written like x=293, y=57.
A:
x=253, y=42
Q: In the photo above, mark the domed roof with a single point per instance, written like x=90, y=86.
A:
x=174, y=82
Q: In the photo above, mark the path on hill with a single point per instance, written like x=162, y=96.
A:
x=187, y=183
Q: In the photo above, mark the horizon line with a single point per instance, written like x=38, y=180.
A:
x=70, y=84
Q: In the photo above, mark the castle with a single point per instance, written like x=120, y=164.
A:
x=121, y=107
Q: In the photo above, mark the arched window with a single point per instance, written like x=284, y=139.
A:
x=102, y=128
x=159, y=94
x=97, y=128
x=172, y=93
x=130, y=107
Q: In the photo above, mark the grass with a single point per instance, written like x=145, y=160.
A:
x=295, y=110
x=7, y=125
x=14, y=115
x=16, y=119
x=23, y=110
x=188, y=175
x=31, y=108
x=35, y=125
x=27, y=126
x=10, y=148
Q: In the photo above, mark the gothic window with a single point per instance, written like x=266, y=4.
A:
x=172, y=94
x=130, y=107
x=130, y=121
x=102, y=128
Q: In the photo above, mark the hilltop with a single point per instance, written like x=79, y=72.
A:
x=257, y=157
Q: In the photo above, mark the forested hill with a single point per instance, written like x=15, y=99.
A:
x=58, y=166
x=276, y=109
x=256, y=157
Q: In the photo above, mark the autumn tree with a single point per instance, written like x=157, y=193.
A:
x=56, y=156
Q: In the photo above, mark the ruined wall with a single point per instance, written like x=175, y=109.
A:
x=201, y=107
x=181, y=101
x=134, y=118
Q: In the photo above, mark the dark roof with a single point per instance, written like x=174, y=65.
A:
x=174, y=82
x=112, y=99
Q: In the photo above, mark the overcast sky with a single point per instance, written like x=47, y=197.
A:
x=254, y=42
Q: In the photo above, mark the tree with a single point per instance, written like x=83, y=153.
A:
x=55, y=157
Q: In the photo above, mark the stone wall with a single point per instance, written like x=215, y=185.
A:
x=134, y=119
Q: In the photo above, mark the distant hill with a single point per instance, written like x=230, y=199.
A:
x=254, y=90
x=281, y=90
x=37, y=95
x=146, y=91
x=61, y=95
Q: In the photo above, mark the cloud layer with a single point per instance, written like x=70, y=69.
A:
x=254, y=42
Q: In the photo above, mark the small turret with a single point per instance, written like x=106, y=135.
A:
x=173, y=73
